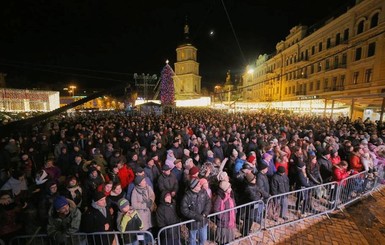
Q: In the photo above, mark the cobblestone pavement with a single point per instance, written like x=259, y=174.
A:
x=362, y=223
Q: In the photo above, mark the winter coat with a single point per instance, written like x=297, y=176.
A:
x=60, y=228
x=279, y=184
x=129, y=222
x=340, y=173
x=141, y=200
x=326, y=167
x=167, y=183
x=166, y=215
x=224, y=218
x=126, y=176
x=263, y=184
x=355, y=163
x=194, y=206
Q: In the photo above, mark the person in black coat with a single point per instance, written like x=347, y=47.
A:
x=98, y=218
x=166, y=215
x=280, y=185
x=303, y=202
x=196, y=205
x=167, y=182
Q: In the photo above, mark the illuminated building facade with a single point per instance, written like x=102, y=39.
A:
x=339, y=62
x=187, y=82
x=23, y=100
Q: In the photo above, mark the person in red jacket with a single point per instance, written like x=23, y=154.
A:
x=126, y=175
x=340, y=171
x=355, y=159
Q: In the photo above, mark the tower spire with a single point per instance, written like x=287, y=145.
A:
x=186, y=30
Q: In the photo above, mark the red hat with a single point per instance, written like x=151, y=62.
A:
x=251, y=158
x=194, y=170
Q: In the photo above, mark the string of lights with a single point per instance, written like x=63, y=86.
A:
x=167, y=86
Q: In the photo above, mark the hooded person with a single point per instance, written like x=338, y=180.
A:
x=166, y=215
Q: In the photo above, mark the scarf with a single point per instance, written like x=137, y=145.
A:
x=231, y=213
x=101, y=209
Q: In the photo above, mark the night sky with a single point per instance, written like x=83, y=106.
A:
x=99, y=42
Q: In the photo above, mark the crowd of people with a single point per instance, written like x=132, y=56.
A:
x=108, y=171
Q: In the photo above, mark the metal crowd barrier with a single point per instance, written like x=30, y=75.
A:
x=295, y=206
x=98, y=238
x=248, y=221
x=354, y=187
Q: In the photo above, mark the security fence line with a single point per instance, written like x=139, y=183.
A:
x=238, y=223
x=99, y=238
x=243, y=221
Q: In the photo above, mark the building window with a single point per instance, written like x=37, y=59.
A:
x=342, y=81
x=293, y=89
x=368, y=75
x=358, y=53
x=319, y=67
x=338, y=38
x=360, y=27
x=306, y=54
x=285, y=91
x=327, y=64
x=320, y=47
x=328, y=43
x=336, y=60
x=326, y=83
x=355, y=77
x=371, y=49
x=344, y=59
x=346, y=35
x=318, y=85
x=289, y=90
x=312, y=69
x=311, y=87
x=334, y=83
x=313, y=50
x=374, y=21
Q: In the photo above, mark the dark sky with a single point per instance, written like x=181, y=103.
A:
x=41, y=39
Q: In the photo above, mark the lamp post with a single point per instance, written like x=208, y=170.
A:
x=72, y=90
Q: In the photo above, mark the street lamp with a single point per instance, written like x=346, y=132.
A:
x=73, y=88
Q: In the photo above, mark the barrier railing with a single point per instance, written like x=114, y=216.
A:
x=101, y=238
x=228, y=226
x=295, y=206
x=354, y=187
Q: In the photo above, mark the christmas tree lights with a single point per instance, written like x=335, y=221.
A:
x=167, y=86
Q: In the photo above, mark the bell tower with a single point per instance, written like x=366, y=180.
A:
x=187, y=82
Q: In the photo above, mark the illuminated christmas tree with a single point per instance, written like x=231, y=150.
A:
x=167, y=86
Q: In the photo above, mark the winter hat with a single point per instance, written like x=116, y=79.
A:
x=247, y=166
x=138, y=179
x=186, y=152
x=251, y=158
x=241, y=154
x=59, y=202
x=194, y=183
x=266, y=155
x=194, y=170
x=224, y=185
x=98, y=195
x=325, y=152
x=281, y=169
x=166, y=167
x=250, y=177
x=234, y=152
x=262, y=166
x=300, y=164
x=139, y=169
x=123, y=202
